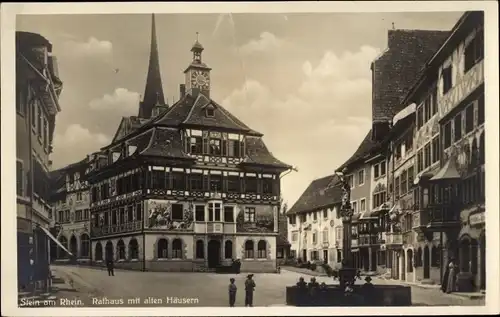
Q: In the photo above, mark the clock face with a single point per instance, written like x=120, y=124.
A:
x=200, y=79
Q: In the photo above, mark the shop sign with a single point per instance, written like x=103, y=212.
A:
x=477, y=218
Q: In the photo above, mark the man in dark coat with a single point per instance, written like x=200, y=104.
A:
x=249, y=288
x=110, y=266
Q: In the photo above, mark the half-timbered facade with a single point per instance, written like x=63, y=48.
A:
x=462, y=174
x=188, y=188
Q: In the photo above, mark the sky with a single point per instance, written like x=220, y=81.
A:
x=301, y=79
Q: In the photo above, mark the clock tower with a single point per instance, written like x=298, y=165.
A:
x=198, y=73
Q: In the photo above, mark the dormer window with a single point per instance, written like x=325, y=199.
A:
x=210, y=112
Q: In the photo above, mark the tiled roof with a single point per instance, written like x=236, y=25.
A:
x=165, y=143
x=364, y=149
x=398, y=68
x=127, y=126
x=257, y=153
x=321, y=193
x=222, y=118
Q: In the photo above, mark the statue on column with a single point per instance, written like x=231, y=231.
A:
x=346, y=209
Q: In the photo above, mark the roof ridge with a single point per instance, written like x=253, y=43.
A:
x=232, y=117
x=150, y=140
x=193, y=106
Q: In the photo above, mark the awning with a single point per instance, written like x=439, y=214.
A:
x=424, y=176
x=55, y=240
x=448, y=172
x=369, y=215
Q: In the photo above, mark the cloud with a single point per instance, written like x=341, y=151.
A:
x=120, y=101
x=321, y=124
x=92, y=47
x=266, y=42
x=75, y=143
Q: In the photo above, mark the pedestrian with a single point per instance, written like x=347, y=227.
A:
x=448, y=283
x=110, y=266
x=232, y=292
x=249, y=288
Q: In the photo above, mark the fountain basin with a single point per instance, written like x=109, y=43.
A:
x=362, y=295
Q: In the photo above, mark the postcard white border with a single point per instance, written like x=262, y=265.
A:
x=8, y=220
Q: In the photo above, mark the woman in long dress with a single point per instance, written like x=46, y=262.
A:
x=450, y=282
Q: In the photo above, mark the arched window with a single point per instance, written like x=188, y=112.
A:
x=249, y=249
x=62, y=254
x=98, y=252
x=261, y=249
x=85, y=245
x=177, y=249
x=200, y=249
x=121, y=250
x=73, y=246
x=410, y=260
x=133, y=249
x=228, y=250
x=162, y=249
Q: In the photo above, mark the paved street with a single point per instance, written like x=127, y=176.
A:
x=200, y=289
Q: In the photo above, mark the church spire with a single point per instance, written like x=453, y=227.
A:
x=153, y=94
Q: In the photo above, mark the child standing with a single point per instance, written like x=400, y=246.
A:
x=232, y=292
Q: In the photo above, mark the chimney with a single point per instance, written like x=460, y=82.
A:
x=195, y=92
x=182, y=88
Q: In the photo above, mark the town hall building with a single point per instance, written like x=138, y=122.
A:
x=184, y=187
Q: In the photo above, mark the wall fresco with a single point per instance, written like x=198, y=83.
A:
x=264, y=220
x=160, y=216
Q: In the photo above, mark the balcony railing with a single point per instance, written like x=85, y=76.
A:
x=394, y=238
x=437, y=216
x=114, y=229
x=214, y=227
x=368, y=240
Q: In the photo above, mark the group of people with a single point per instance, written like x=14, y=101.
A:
x=249, y=289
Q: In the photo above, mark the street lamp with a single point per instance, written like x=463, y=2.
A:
x=347, y=274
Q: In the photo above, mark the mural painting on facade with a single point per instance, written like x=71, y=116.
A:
x=160, y=216
x=262, y=222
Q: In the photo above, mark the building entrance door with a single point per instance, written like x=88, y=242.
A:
x=213, y=253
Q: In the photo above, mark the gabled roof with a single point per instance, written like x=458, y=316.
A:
x=165, y=142
x=321, y=193
x=128, y=125
x=364, y=149
x=222, y=118
x=257, y=153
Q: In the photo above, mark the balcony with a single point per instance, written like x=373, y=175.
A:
x=367, y=240
x=115, y=229
x=394, y=239
x=435, y=218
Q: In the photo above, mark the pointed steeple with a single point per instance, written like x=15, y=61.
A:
x=153, y=94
